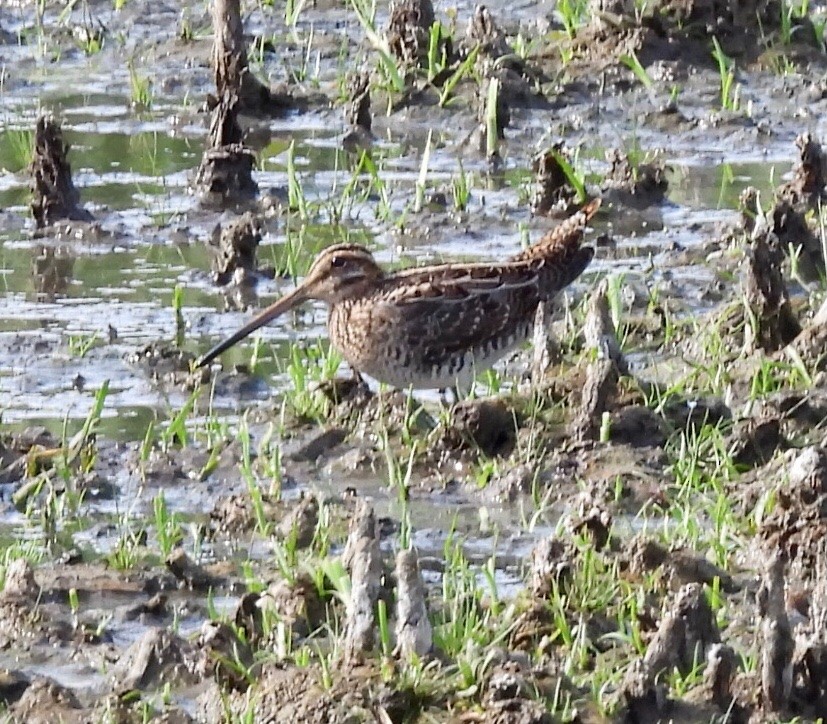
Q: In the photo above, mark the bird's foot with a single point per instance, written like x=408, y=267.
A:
x=449, y=396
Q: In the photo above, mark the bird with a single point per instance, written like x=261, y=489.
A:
x=432, y=327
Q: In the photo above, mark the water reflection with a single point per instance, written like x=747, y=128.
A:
x=718, y=186
x=239, y=297
x=52, y=270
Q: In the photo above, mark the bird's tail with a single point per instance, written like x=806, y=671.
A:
x=558, y=255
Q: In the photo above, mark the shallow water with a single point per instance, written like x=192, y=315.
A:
x=112, y=291
x=127, y=279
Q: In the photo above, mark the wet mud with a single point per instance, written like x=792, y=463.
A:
x=624, y=523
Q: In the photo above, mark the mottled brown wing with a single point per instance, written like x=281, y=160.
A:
x=465, y=309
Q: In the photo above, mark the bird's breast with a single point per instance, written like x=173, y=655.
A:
x=390, y=352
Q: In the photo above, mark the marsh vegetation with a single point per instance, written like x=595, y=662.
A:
x=623, y=522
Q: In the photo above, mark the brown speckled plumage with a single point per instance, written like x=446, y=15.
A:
x=430, y=327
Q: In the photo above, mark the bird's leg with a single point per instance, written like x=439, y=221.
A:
x=357, y=376
x=348, y=388
x=358, y=381
x=444, y=393
x=446, y=406
x=443, y=396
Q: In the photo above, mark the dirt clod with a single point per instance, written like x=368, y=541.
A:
x=777, y=644
x=807, y=186
x=296, y=603
x=810, y=657
x=754, y=441
x=188, y=571
x=679, y=567
x=408, y=27
x=483, y=30
x=357, y=110
x=553, y=194
x=592, y=519
x=636, y=185
x=811, y=344
x=413, y=626
x=721, y=667
x=685, y=633
x=600, y=386
x=159, y=656
x=165, y=362
x=224, y=655
x=508, y=698
x=795, y=528
x=363, y=560
x=808, y=475
x=694, y=414
x=19, y=582
x=599, y=329
x=643, y=700
x=232, y=72
x=486, y=424
x=786, y=228
x=151, y=610
x=551, y=562
x=638, y=426
x=226, y=170
x=234, y=247
x=772, y=322
x=234, y=514
x=55, y=195
x=45, y=702
x=544, y=346
x=12, y=686
x=509, y=485
x=319, y=445
x=300, y=525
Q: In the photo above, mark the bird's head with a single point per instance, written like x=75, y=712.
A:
x=340, y=272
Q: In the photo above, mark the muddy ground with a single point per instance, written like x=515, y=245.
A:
x=626, y=524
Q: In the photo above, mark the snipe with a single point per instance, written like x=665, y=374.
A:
x=433, y=326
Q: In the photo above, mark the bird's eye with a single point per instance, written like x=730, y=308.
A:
x=337, y=261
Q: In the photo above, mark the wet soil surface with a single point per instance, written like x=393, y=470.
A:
x=624, y=523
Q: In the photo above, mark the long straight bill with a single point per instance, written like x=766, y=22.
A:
x=276, y=309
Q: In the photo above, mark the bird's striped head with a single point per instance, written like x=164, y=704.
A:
x=340, y=272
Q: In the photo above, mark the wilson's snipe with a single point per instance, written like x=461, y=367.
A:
x=432, y=326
